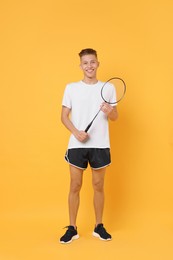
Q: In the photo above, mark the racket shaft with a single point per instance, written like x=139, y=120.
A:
x=88, y=127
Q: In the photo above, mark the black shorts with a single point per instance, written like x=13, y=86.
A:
x=96, y=157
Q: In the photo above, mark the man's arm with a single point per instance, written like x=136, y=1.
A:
x=80, y=135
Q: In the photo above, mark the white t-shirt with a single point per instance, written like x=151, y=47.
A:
x=84, y=100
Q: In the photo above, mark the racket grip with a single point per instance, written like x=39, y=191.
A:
x=88, y=127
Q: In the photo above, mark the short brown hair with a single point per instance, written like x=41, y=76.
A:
x=87, y=51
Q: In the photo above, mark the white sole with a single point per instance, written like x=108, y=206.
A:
x=73, y=238
x=98, y=236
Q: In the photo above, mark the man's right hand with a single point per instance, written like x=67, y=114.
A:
x=81, y=136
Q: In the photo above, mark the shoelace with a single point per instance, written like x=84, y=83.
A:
x=102, y=230
x=69, y=231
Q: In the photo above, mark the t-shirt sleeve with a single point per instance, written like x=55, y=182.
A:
x=66, y=101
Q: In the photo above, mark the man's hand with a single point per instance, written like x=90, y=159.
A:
x=110, y=111
x=81, y=136
x=106, y=108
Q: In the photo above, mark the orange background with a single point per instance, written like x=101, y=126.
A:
x=40, y=41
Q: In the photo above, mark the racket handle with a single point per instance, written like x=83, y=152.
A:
x=88, y=127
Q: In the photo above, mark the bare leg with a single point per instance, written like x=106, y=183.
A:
x=98, y=186
x=76, y=177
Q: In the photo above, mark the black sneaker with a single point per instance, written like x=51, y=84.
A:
x=101, y=233
x=69, y=235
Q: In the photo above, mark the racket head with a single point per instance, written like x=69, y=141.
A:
x=113, y=90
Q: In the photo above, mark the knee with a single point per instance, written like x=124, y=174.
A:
x=75, y=186
x=98, y=186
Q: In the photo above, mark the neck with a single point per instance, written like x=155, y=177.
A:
x=90, y=80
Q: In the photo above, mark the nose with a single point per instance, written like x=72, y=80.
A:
x=89, y=65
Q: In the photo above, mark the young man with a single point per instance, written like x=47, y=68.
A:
x=81, y=102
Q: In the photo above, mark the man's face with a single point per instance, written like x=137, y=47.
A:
x=89, y=65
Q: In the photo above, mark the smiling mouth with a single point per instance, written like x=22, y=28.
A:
x=90, y=71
